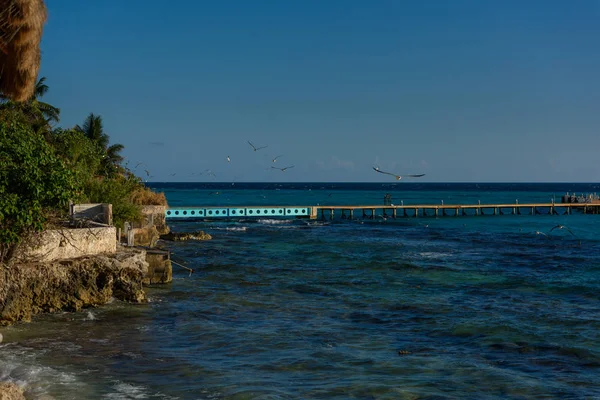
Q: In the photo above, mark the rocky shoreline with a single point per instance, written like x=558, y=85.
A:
x=27, y=289
x=70, y=285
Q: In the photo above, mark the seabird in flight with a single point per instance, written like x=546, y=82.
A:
x=283, y=169
x=563, y=227
x=256, y=148
x=398, y=177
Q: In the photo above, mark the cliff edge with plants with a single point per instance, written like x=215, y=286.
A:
x=42, y=169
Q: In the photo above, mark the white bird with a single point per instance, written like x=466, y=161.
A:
x=228, y=159
x=398, y=177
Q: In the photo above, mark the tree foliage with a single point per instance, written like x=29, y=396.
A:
x=117, y=191
x=39, y=115
x=105, y=180
x=79, y=153
x=42, y=169
x=34, y=183
x=111, y=158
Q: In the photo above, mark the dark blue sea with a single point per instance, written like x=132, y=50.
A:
x=456, y=307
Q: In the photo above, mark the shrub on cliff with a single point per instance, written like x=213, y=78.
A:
x=79, y=153
x=34, y=183
x=146, y=197
x=116, y=191
x=88, y=153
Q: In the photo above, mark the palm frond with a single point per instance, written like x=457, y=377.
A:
x=40, y=88
x=51, y=113
x=94, y=130
x=113, y=152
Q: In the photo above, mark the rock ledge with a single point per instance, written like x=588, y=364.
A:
x=70, y=285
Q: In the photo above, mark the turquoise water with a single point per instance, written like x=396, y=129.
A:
x=425, y=308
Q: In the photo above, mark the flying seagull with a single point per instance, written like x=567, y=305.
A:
x=228, y=159
x=283, y=169
x=275, y=159
x=256, y=148
x=398, y=177
x=563, y=227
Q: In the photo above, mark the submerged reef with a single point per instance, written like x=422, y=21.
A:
x=198, y=235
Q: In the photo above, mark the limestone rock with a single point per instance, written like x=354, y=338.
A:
x=10, y=391
x=70, y=285
x=198, y=235
x=145, y=236
x=160, y=269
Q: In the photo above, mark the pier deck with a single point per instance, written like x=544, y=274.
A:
x=378, y=211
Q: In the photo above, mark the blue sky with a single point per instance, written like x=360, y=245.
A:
x=462, y=90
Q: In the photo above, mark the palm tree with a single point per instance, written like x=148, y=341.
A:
x=112, y=154
x=40, y=115
x=93, y=129
x=110, y=158
x=51, y=114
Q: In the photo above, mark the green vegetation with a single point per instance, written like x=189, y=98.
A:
x=117, y=191
x=110, y=164
x=42, y=168
x=34, y=183
x=38, y=115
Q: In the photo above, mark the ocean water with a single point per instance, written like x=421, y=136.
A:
x=473, y=307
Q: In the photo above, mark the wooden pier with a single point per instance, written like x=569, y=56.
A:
x=380, y=211
x=430, y=210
